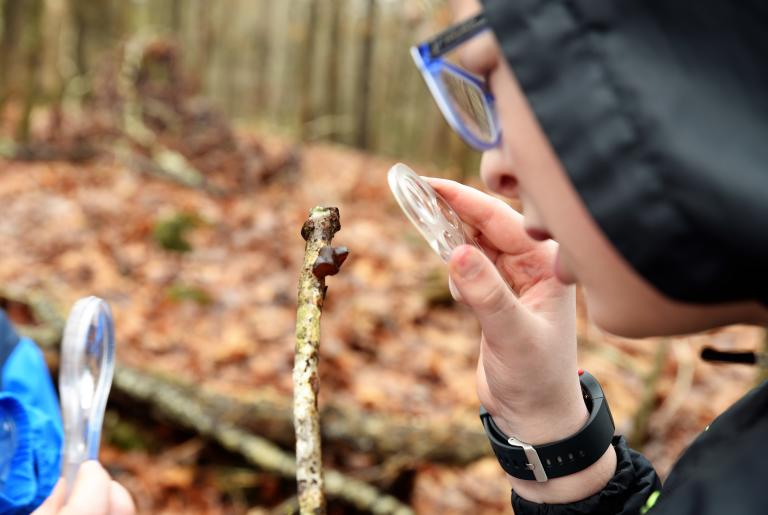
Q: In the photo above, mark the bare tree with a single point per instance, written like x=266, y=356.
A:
x=306, y=108
x=332, y=92
x=366, y=72
x=31, y=46
x=12, y=17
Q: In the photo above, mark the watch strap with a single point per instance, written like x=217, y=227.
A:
x=561, y=458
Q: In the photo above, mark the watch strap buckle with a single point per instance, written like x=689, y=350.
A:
x=532, y=457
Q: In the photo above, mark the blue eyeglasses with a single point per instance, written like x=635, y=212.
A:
x=464, y=99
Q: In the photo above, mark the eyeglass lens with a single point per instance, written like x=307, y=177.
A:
x=468, y=102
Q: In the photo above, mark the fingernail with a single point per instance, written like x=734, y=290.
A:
x=469, y=263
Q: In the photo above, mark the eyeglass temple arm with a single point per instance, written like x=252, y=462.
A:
x=455, y=35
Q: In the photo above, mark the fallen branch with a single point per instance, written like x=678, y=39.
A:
x=287, y=507
x=320, y=260
x=174, y=403
x=188, y=407
x=269, y=413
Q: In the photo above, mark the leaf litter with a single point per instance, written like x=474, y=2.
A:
x=212, y=301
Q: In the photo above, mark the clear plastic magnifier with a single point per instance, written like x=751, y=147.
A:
x=87, y=367
x=434, y=218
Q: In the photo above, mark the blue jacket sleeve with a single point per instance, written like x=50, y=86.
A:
x=31, y=433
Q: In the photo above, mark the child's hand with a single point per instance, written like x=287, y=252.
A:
x=94, y=493
x=527, y=374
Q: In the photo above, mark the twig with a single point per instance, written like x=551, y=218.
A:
x=613, y=355
x=287, y=507
x=762, y=371
x=642, y=417
x=176, y=404
x=319, y=261
x=686, y=367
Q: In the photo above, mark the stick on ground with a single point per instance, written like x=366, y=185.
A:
x=320, y=260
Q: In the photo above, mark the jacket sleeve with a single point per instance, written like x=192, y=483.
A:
x=632, y=490
x=31, y=435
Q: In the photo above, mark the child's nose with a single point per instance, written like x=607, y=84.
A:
x=498, y=174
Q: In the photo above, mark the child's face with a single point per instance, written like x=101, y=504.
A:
x=525, y=166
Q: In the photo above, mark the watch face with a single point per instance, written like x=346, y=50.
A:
x=434, y=218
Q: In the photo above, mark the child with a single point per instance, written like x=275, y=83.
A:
x=634, y=133
x=31, y=438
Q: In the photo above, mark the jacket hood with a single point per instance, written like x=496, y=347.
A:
x=659, y=113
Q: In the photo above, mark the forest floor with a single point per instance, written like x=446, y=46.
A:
x=222, y=314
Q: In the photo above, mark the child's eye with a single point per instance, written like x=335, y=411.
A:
x=484, y=73
x=482, y=68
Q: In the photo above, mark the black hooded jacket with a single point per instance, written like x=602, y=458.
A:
x=659, y=112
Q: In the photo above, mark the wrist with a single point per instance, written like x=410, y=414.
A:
x=544, y=421
x=568, y=454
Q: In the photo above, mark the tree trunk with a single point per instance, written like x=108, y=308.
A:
x=332, y=92
x=31, y=46
x=12, y=22
x=262, y=56
x=176, y=16
x=306, y=110
x=365, y=71
x=98, y=26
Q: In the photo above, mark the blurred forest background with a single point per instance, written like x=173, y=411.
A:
x=163, y=154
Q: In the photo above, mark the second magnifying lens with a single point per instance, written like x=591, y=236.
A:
x=85, y=378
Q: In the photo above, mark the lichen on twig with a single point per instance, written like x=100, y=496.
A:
x=320, y=260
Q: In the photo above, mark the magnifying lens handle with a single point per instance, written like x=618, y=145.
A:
x=89, y=451
x=70, y=474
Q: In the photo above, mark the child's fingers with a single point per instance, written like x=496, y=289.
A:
x=54, y=501
x=482, y=288
x=90, y=494
x=501, y=225
x=120, y=501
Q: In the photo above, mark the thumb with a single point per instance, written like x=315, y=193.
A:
x=90, y=493
x=54, y=501
x=482, y=288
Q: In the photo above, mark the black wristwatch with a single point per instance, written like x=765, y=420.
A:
x=561, y=458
